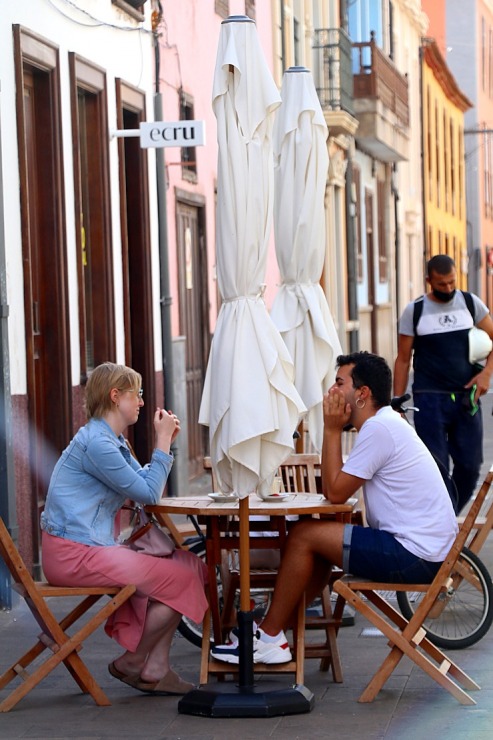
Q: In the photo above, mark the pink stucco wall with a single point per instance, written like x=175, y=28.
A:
x=190, y=34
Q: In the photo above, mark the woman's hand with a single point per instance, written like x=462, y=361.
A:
x=177, y=429
x=167, y=427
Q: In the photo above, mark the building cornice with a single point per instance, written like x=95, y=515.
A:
x=434, y=59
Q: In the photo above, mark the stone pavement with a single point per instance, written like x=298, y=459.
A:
x=410, y=707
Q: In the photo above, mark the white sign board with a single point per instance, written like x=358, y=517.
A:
x=172, y=133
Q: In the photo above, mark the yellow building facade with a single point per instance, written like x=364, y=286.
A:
x=444, y=191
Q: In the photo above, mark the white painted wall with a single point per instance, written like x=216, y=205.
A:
x=122, y=46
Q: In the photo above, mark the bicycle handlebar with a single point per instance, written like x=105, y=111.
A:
x=398, y=401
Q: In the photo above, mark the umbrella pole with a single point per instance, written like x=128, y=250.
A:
x=245, y=615
x=244, y=554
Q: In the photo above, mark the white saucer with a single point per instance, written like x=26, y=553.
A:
x=223, y=498
x=277, y=498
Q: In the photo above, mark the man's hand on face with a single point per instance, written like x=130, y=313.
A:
x=337, y=412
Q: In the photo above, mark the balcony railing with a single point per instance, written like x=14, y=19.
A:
x=375, y=76
x=332, y=69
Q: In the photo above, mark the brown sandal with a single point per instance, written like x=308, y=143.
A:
x=129, y=679
x=171, y=684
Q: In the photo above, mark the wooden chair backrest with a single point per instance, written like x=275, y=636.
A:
x=208, y=467
x=300, y=473
x=13, y=560
x=24, y=583
x=347, y=442
x=483, y=524
x=476, y=508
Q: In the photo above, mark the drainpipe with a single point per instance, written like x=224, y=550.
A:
x=7, y=486
x=165, y=296
x=351, y=259
x=394, y=191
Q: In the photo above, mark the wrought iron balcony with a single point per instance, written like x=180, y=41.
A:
x=333, y=73
x=333, y=77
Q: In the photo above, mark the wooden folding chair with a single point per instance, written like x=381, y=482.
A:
x=63, y=647
x=299, y=474
x=409, y=638
x=482, y=525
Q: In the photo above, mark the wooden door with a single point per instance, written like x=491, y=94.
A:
x=92, y=199
x=45, y=298
x=193, y=296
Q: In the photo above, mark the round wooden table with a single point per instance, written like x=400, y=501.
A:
x=222, y=534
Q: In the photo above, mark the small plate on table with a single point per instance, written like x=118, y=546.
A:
x=224, y=498
x=277, y=498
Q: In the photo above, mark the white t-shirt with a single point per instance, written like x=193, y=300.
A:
x=404, y=492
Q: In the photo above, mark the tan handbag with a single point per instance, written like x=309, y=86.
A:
x=147, y=536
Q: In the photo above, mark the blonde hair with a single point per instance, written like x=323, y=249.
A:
x=101, y=381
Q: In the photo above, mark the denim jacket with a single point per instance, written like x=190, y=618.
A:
x=91, y=481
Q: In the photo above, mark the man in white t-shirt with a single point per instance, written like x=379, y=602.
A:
x=411, y=520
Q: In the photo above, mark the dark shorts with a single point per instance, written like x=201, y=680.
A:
x=375, y=554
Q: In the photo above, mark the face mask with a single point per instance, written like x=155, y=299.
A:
x=444, y=297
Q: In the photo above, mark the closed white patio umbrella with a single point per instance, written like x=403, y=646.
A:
x=249, y=402
x=300, y=309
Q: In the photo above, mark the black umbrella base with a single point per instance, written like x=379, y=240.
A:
x=231, y=700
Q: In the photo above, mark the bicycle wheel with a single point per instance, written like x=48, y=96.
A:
x=468, y=612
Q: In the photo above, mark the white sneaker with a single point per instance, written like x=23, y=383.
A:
x=229, y=653
x=234, y=635
x=270, y=653
x=263, y=652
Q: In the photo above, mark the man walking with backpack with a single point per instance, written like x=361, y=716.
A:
x=450, y=373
